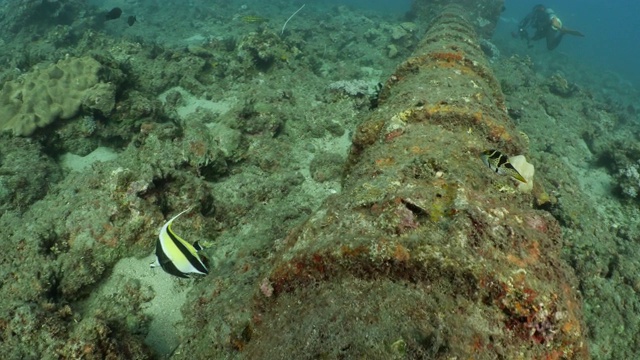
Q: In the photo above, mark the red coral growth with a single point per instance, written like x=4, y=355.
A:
x=537, y=222
x=528, y=317
x=393, y=134
x=406, y=219
x=447, y=56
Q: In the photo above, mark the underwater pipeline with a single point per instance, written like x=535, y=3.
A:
x=426, y=253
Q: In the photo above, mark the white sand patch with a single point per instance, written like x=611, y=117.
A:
x=596, y=182
x=195, y=39
x=164, y=308
x=78, y=163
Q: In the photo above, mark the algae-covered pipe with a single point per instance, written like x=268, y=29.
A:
x=426, y=253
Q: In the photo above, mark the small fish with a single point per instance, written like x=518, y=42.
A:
x=175, y=255
x=254, y=19
x=499, y=163
x=131, y=20
x=113, y=14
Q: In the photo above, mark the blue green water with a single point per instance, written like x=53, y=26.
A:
x=218, y=109
x=611, y=32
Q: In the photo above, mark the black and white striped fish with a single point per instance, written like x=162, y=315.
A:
x=499, y=163
x=175, y=255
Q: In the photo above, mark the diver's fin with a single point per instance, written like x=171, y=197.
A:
x=572, y=32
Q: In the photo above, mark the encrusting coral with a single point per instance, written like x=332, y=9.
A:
x=56, y=92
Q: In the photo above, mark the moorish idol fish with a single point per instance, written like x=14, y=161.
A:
x=499, y=163
x=175, y=255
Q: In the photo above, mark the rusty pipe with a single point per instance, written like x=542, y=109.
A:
x=421, y=255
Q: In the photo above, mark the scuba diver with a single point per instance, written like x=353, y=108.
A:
x=546, y=24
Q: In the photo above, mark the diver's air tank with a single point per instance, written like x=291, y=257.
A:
x=426, y=253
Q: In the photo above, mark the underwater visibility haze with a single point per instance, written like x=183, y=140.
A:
x=418, y=179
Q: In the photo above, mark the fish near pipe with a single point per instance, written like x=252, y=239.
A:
x=421, y=256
